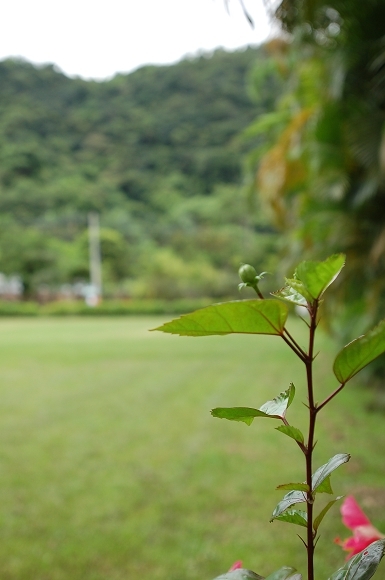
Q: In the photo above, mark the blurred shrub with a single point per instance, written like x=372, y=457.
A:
x=106, y=308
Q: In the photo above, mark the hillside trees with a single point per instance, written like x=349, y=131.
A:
x=156, y=153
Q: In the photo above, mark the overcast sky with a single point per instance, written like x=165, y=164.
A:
x=97, y=38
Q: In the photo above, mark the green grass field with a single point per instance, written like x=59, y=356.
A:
x=112, y=467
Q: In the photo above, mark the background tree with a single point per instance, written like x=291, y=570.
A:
x=321, y=168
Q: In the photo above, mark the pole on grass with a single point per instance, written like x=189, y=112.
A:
x=95, y=260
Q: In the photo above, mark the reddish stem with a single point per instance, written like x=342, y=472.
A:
x=310, y=442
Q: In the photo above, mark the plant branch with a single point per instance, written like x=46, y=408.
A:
x=330, y=397
x=295, y=343
x=300, y=353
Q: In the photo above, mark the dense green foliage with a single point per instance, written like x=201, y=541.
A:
x=322, y=169
x=155, y=152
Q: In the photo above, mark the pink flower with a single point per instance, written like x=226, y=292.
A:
x=236, y=565
x=364, y=533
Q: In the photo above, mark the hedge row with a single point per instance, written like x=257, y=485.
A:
x=106, y=308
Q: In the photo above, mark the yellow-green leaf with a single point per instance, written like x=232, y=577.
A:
x=294, y=486
x=298, y=517
x=322, y=514
x=241, y=316
x=292, y=432
x=317, y=276
x=244, y=414
x=359, y=353
x=325, y=486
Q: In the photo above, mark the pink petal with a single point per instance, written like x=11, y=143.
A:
x=352, y=514
x=356, y=545
x=363, y=536
x=236, y=565
x=364, y=533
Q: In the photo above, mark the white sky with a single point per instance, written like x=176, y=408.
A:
x=97, y=38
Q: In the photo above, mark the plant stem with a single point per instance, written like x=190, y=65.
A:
x=330, y=397
x=310, y=442
x=260, y=295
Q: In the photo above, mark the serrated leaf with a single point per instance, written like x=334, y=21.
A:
x=364, y=565
x=298, y=289
x=240, y=574
x=317, y=276
x=278, y=406
x=274, y=409
x=359, y=353
x=298, y=517
x=291, y=498
x=325, y=470
x=322, y=514
x=240, y=316
x=294, y=486
x=245, y=414
x=291, y=295
x=325, y=486
x=292, y=432
x=283, y=573
x=318, y=481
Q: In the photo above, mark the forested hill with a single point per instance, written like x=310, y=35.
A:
x=156, y=152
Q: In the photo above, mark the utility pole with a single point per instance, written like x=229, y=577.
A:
x=95, y=293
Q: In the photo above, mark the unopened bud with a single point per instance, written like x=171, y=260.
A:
x=247, y=274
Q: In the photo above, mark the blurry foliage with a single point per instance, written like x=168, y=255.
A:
x=321, y=164
x=155, y=152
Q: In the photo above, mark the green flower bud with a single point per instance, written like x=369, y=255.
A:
x=247, y=274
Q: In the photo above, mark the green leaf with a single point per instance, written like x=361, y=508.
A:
x=359, y=353
x=283, y=573
x=290, y=294
x=318, y=483
x=322, y=514
x=292, y=432
x=245, y=414
x=325, y=470
x=298, y=517
x=294, y=486
x=274, y=409
x=325, y=486
x=291, y=498
x=240, y=574
x=278, y=406
x=298, y=292
x=241, y=316
x=364, y=565
x=317, y=276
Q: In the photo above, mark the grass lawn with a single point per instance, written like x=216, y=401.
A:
x=111, y=466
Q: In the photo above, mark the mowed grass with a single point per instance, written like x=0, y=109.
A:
x=113, y=468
